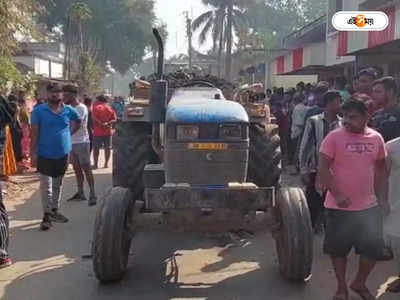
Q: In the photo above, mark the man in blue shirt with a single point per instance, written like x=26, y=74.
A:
x=52, y=125
x=118, y=105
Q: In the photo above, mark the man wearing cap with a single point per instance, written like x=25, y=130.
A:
x=52, y=126
x=80, y=154
x=316, y=129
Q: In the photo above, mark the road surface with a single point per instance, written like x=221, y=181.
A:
x=54, y=264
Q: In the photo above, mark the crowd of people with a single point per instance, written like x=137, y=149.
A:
x=344, y=142
x=56, y=130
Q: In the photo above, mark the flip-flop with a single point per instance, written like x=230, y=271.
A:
x=394, y=287
x=364, y=294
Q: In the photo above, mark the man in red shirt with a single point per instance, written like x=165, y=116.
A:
x=104, y=118
x=353, y=170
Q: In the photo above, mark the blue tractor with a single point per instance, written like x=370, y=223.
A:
x=190, y=158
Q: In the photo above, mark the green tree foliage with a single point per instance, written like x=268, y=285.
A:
x=8, y=73
x=90, y=75
x=119, y=30
x=281, y=17
x=79, y=13
x=17, y=19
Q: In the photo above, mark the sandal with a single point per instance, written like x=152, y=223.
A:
x=394, y=287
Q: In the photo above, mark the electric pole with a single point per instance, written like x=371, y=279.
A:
x=189, y=35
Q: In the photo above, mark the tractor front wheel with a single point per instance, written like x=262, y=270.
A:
x=111, y=238
x=294, y=240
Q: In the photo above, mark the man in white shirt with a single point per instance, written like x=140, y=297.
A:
x=80, y=154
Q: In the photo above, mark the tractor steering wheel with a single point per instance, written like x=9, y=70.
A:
x=200, y=83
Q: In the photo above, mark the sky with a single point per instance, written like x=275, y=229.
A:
x=172, y=13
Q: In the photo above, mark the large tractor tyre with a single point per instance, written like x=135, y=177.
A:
x=111, y=237
x=265, y=156
x=132, y=152
x=294, y=240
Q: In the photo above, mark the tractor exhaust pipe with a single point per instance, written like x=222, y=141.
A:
x=160, y=43
x=158, y=100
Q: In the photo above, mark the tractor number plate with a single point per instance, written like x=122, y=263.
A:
x=208, y=146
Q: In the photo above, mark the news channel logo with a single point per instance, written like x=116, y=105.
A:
x=360, y=21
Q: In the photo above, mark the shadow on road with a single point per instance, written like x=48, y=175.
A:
x=49, y=265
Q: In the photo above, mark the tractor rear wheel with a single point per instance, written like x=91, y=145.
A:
x=111, y=237
x=294, y=240
x=265, y=156
x=132, y=152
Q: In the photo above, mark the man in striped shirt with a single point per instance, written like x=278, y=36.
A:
x=316, y=129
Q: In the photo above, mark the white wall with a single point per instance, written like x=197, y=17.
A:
x=57, y=70
x=42, y=67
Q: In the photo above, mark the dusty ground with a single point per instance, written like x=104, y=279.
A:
x=52, y=265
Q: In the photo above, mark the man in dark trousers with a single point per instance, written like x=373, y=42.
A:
x=52, y=126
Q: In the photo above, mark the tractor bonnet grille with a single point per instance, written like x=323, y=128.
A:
x=206, y=131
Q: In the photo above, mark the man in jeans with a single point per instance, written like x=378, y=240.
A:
x=104, y=118
x=52, y=126
x=353, y=170
x=316, y=129
x=80, y=154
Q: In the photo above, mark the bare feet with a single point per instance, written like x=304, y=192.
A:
x=363, y=292
x=342, y=293
x=394, y=287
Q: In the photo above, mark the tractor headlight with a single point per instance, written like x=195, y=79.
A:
x=187, y=132
x=230, y=131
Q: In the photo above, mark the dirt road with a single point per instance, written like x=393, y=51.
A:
x=52, y=265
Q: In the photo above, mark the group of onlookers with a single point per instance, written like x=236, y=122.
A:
x=60, y=129
x=344, y=140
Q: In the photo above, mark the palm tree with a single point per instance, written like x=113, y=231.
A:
x=220, y=22
x=79, y=13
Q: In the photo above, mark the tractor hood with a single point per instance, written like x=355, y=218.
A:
x=205, y=111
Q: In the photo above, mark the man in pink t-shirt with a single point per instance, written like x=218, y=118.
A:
x=352, y=169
